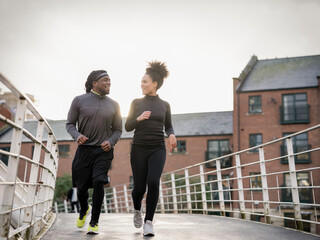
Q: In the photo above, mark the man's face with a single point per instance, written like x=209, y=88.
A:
x=102, y=86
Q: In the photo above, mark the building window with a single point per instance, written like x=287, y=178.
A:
x=305, y=193
x=181, y=147
x=214, y=188
x=295, y=108
x=255, y=140
x=5, y=158
x=255, y=104
x=218, y=148
x=64, y=151
x=255, y=181
x=300, y=144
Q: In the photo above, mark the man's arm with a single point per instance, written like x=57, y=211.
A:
x=72, y=119
x=116, y=127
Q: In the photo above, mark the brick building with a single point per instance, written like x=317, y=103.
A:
x=272, y=98
x=195, y=143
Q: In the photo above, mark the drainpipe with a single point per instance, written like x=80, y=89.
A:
x=238, y=119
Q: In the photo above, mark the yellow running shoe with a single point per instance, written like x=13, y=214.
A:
x=93, y=228
x=83, y=220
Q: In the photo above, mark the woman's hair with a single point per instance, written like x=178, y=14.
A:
x=91, y=78
x=157, y=71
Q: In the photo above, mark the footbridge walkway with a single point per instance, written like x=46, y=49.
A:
x=271, y=197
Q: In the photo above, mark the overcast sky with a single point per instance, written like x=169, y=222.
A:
x=48, y=47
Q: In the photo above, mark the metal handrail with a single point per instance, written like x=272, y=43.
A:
x=26, y=205
x=189, y=189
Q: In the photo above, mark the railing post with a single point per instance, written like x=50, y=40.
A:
x=45, y=176
x=105, y=206
x=265, y=193
x=161, y=197
x=203, y=191
x=7, y=199
x=240, y=187
x=220, y=188
x=115, y=200
x=174, y=194
x=34, y=175
x=126, y=197
x=65, y=206
x=186, y=173
x=294, y=185
x=56, y=207
x=52, y=176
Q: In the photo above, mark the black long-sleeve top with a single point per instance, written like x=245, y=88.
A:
x=149, y=132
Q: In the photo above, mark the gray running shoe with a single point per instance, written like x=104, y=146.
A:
x=137, y=218
x=148, y=228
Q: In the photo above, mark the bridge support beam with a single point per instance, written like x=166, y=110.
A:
x=240, y=188
x=220, y=188
x=265, y=193
x=294, y=185
x=203, y=191
x=186, y=174
x=161, y=198
x=174, y=193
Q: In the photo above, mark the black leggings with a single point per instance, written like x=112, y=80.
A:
x=97, y=198
x=147, y=165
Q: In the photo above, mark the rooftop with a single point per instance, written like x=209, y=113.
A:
x=189, y=124
x=280, y=73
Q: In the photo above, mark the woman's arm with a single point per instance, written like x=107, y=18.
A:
x=172, y=142
x=131, y=122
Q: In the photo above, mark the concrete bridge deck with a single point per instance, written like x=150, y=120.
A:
x=118, y=226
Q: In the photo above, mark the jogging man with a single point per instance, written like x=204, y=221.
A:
x=95, y=123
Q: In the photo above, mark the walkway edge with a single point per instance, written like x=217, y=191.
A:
x=43, y=231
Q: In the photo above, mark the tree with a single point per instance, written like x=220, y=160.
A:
x=63, y=185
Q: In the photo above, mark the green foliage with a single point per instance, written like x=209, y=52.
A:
x=63, y=185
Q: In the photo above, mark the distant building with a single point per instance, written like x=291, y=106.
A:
x=11, y=102
x=197, y=135
x=273, y=98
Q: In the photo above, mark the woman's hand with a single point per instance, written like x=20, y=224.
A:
x=172, y=142
x=145, y=115
x=82, y=139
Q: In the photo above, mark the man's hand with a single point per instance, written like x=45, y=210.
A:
x=82, y=139
x=106, y=146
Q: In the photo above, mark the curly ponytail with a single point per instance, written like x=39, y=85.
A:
x=157, y=71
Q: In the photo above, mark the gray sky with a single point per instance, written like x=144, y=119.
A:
x=48, y=47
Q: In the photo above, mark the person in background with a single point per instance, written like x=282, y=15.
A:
x=94, y=121
x=149, y=116
x=73, y=198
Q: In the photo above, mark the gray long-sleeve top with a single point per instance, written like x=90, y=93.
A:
x=96, y=117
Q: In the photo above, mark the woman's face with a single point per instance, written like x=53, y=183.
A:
x=148, y=86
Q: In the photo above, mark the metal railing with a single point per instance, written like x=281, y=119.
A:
x=264, y=190
x=26, y=201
